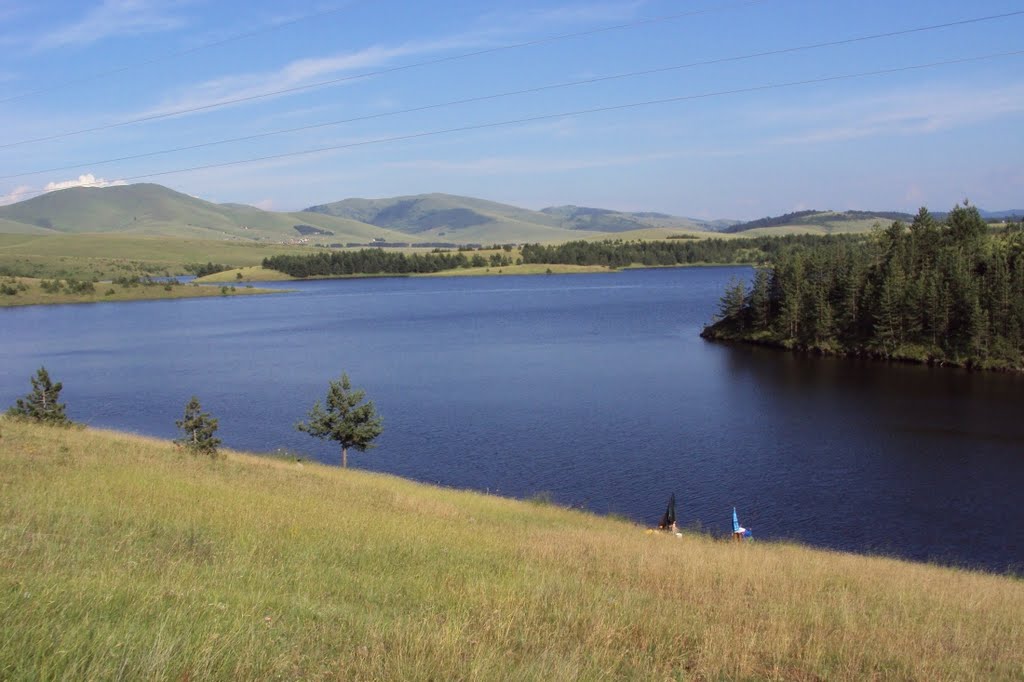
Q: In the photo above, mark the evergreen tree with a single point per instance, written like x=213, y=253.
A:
x=731, y=306
x=42, y=404
x=345, y=420
x=759, y=301
x=198, y=428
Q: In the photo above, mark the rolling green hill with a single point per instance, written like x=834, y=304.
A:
x=154, y=210
x=446, y=217
x=817, y=222
x=605, y=220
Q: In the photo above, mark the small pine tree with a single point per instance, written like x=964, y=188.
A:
x=198, y=428
x=344, y=421
x=42, y=405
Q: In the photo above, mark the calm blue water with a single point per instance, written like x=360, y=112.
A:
x=594, y=388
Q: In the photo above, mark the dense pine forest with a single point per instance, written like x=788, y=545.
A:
x=610, y=253
x=949, y=292
x=619, y=253
x=372, y=262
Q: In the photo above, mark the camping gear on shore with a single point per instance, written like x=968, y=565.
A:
x=668, y=519
x=739, y=533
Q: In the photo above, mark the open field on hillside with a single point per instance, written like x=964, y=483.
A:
x=19, y=291
x=124, y=557
x=106, y=256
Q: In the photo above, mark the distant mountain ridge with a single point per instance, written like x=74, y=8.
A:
x=154, y=210
x=445, y=215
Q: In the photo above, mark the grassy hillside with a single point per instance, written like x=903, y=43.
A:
x=105, y=256
x=605, y=220
x=122, y=557
x=445, y=217
x=817, y=222
x=466, y=219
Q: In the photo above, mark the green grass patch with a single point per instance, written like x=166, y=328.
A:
x=107, y=256
x=124, y=557
x=19, y=291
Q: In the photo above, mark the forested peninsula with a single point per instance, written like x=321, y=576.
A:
x=949, y=293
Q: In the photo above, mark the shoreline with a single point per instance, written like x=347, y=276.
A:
x=695, y=529
x=713, y=335
x=29, y=292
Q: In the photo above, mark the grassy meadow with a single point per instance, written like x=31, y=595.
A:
x=123, y=557
x=108, y=256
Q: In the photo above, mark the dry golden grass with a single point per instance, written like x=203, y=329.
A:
x=123, y=557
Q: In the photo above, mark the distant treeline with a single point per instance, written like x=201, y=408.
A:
x=201, y=270
x=619, y=253
x=949, y=292
x=611, y=253
x=378, y=262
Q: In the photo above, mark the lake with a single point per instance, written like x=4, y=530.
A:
x=594, y=389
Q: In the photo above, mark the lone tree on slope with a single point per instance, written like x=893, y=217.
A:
x=42, y=405
x=345, y=421
x=198, y=428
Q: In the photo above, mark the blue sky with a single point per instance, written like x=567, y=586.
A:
x=930, y=136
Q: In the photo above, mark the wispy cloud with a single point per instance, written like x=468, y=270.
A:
x=904, y=113
x=492, y=30
x=303, y=72
x=114, y=18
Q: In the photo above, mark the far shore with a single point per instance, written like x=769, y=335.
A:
x=28, y=291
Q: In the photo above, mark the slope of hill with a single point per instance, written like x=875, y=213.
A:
x=154, y=210
x=605, y=220
x=122, y=557
x=823, y=222
x=445, y=217
x=457, y=218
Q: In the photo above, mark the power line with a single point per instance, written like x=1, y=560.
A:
x=564, y=114
x=379, y=72
x=172, y=55
x=542, y=88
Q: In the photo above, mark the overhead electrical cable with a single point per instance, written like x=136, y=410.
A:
x=563, y=114
x=541, y=88
x=378, y=72
x=173, y=55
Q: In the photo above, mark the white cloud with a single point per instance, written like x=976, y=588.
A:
x=16, y=195
x=87, y=180
x=23, y=192
x=112, y=18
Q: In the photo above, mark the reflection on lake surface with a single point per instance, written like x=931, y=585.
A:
x=595, y=388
